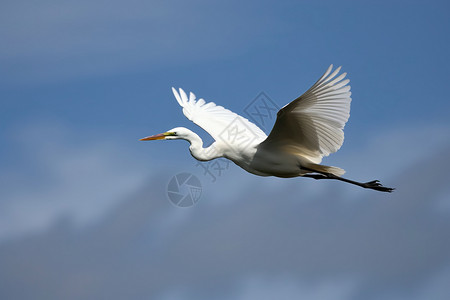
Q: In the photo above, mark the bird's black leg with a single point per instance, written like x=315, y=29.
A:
x=374, y=184
x=316, y=176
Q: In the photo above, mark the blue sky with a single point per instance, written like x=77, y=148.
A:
x=81, y=81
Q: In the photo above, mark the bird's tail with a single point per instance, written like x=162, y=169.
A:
x=326, y=169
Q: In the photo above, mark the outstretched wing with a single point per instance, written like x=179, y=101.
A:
x=222, y=124
x=312, y=125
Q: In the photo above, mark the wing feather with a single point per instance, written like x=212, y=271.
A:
x=216, y=120
x=312, y=125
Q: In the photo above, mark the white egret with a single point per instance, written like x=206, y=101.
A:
x=306, y=130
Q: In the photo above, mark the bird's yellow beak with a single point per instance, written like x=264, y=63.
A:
x=161, y=136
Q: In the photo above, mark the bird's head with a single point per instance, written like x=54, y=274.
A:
x=172, y=134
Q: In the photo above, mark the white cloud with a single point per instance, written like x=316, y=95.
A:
x=83, y=179
x=277, y=239
x=61, y=178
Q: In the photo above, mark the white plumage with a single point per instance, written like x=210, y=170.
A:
x=312, y=125
x=307, y=129
x=213, y=118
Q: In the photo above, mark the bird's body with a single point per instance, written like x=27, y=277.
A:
x=306, y=130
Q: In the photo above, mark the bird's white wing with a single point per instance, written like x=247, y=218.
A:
x=312, y=125
x=222, y=124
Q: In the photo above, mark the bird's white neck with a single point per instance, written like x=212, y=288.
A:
x=200, y=153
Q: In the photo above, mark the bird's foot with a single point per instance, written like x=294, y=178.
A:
x=376, y=185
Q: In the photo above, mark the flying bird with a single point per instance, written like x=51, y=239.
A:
x=307, y=129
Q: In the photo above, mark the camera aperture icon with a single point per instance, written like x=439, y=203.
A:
x=184, y=190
